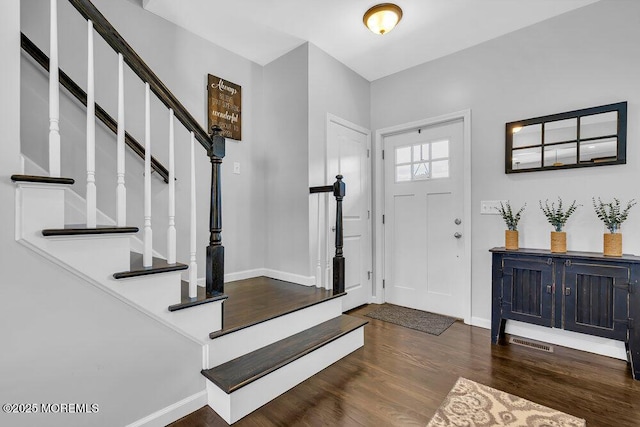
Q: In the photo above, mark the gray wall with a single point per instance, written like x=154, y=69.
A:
x=581, y=59
x=286, y=122
x=64, y=340
x=333, y=88
x=182, y=61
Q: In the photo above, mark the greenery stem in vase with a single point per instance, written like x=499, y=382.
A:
x=510, y=219
x=612, y=214
x=558, y=216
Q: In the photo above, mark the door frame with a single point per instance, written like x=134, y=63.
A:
x=379, y=198
x=332, y=118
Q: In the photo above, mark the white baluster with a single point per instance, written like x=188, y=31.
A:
x=147, y=256
x=121, y=191
x=328, y=278
x=91, y=132
x=54, y=95
x=319, y=237
x=193, y=267
x=171, y=232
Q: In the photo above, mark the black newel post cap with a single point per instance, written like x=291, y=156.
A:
x=217, y=142
x=339, y=187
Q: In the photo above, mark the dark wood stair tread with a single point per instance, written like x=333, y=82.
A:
x=42, y=179
x=159, y=265
x=228, y=330
x=81, y=230
x=201, y=298
x=243, y=370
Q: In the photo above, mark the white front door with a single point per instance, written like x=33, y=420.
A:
x=348, y=155
x=424, y=231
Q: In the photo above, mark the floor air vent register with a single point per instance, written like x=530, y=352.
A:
x=536, y=345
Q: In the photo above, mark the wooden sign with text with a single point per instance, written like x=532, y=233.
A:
x=225, y=106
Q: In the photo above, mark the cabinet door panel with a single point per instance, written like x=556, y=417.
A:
x=526, y=291
x=596, y=299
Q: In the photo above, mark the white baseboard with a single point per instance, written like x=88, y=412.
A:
x=577, y=341
x=274, y=274
x=241, y=275
x=480, y=322
x=173, y=412
x=290, y=277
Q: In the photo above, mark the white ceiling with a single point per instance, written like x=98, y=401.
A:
x=263, y=30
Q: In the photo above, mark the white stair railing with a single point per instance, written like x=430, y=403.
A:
x=91, y=132
x=171, y=232
x=214, y=144
x=54, y=94
x=147, y=255
x=193, y=267
x=121, y=190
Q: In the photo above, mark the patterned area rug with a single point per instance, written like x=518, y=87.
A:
x=424, y=321
x=471, y=404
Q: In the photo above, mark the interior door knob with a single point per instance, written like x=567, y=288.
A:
x=457, y=235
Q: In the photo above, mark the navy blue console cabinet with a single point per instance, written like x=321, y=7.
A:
x=578, y=291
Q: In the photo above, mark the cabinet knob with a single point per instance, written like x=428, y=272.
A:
x=549, y=289
x=567, y=291
x=549, y=261
x=567, y=263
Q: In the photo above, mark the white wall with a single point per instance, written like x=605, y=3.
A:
x=286, y=121
x=333, y=88
x=584, y=58
x=182, y=61
x=64, y=341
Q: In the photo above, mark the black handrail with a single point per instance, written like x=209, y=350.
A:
x=120, y=45
x=41, y=58
x=339, y=191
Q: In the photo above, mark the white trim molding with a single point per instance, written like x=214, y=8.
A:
x=274, y=274
x=173, y=412
x=378, y=209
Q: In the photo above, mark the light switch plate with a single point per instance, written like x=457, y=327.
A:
x=490, y=207
x=236, y=168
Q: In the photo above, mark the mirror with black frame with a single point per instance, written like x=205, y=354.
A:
x=594, y=136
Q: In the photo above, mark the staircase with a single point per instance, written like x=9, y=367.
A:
x=244, y=365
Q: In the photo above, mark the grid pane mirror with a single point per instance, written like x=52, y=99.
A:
x=589, y=137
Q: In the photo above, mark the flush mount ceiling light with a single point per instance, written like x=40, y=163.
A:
x=382, y=18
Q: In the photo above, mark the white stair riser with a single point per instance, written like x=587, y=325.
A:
x=155, y=292
x=94, y=255
x=232, y=407
x=38, y=206
x=230, y=346
x=200, y=320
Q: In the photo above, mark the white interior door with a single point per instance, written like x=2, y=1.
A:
x=348, y=148
x=424, y=231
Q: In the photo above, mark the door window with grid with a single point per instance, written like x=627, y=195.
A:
x=426, y=160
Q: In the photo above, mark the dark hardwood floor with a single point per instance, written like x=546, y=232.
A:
x=401, y=376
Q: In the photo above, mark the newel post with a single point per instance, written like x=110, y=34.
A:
x=339, y=191
x=215, y=250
